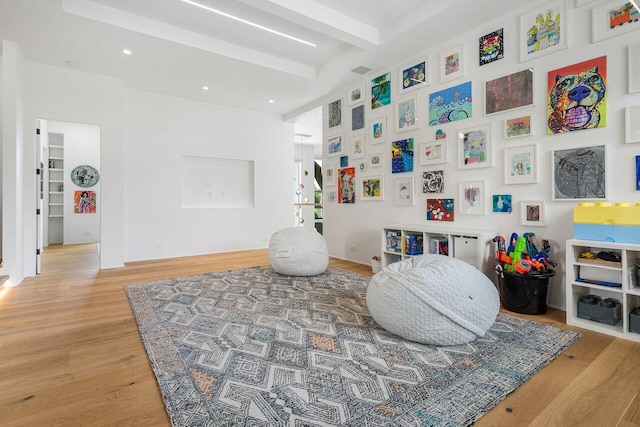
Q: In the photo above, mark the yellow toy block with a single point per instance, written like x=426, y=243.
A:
x=607, y=213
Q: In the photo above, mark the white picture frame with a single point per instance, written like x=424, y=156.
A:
x=632, y=124
x=358, y=149
x=634, y=68
x=404, y=191
x=372, y=188
x=472, y=197
x=530, y=47
x=414, y=75
x=518, y=127
x=335, y=145
x=356, y=94
x=330, y=175
x=377, y=130
x=475, y=147
x=335, y=111
x=521, y=164
x=375, y=160
x=407, y=115
x=533, y=213
x=451, y=63
x=579, y=173
x=433, y=152
x=601, y=20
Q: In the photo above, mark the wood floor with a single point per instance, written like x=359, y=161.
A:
x=71, y=355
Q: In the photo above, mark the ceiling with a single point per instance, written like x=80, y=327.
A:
x=178, y=47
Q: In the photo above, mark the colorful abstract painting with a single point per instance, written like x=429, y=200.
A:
x=491, y=47
x=402, y=156
x=347, y=185
x=577, y=96
x=440, y=210
x=543, y=30
x=84, y=201
x=371, y=188
x=414, y=75
x=450, y=104
x=509, y=92
x=637, y=172
x=502, y=203
x=381, y=91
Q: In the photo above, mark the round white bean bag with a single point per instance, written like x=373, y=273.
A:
x=298, y=251
x=433, y=299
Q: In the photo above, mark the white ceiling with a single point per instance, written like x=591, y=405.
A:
x=178, y=47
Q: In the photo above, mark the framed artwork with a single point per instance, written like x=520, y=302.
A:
x=381, y=91
x=491, y=47
x=509, y=92
x=433, y=152
x=450, y=104
x=471, y=197
x=502, y=203
x=543, y=30
x=632, y=124
x=329, y=176
x=335, y=146
x=355, y=95
x=402, y=156
x=332, y=196
x=371, y=188
x=357, y=117
x=637, y=172
x=613, y=18
x=440, y=210
x=518, y=126
x=347, y=185
x=407, y=114
x=404, y=191
x=413, y=75
x=357, y=146
x=377, y=133
x=451, y=64
x=361, y=165
x=579, y=173
x=532, y=213
x=344, y=161
x=634, y=68
x=335, y=113
x=566, y=110
x=474, y=147
x=433, y=182
x=84, y=202
x=375, y=160
x=85, y=176
x=521, y=165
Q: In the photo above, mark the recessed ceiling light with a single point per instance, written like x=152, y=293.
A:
x=253, y=24
x=271, y=101
x=205, y=87
x=126, y=51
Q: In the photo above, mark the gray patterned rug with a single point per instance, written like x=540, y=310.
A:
x=253, y=348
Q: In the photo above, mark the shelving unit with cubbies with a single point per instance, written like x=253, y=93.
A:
x=622, y=284
x=55, y=198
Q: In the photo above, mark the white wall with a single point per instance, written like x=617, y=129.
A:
x=353, y=231
x=81, y=147
x=159, y=130
x=1, y=150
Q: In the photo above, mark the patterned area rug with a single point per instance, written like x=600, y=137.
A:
x=253, y=348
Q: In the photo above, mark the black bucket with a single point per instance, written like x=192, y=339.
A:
x=524, y=293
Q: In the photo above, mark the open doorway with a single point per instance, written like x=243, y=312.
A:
x=69, y=190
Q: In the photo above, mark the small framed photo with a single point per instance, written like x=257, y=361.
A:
x=612, y=19
x=509, y=92
x=543, y=30
x=518, y=127
x=344, y=161
x=413, y=75
x=375, y=160
x=330, y=175
x=371, y=188
x=404, y=191
x=632, y=124
x=579, y=173
x=471, y=200
x=474, y=147
x=433, y=152
x=634, y=68
x=377, y=131
x=355, y=94
x=335, y=145
x=407, y=114
x=357, y=146
x=451, y=64
x=532, y=213
x=335, y=113
x=521, y=165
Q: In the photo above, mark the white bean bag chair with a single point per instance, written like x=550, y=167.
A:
x=298, y=251
x=433, y=299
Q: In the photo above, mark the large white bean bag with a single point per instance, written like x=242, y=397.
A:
x=298, y=251
x=433, y=299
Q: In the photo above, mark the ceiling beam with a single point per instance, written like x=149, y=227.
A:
x=108, y=15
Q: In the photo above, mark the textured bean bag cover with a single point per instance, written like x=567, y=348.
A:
x=298, y=251
x=433, y=299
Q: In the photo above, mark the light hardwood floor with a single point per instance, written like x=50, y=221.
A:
x=71, y=355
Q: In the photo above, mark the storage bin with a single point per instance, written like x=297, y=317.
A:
x=524, y=293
